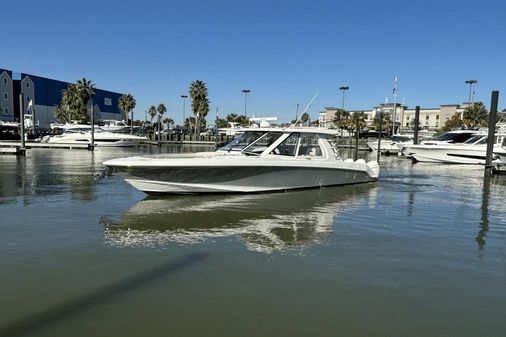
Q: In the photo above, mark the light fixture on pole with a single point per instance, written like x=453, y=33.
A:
x=246, y=92
x=184, y=97
x=343, y=89
x=470, y=82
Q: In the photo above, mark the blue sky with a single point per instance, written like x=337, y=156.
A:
x=283, y=51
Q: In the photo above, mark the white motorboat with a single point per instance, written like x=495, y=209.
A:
x=100, y=138
x=9, y=125
x=279, y=159
x=450, y=137
x=392, y=145
x=472, y=151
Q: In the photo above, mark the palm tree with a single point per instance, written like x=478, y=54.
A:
x=127, y=103
x=385, y=121
x=85, y=90
x=241, y=119
x=73, y=104
x=200, y=102
x=341, y=119
x=161, y=109
x=475, y=115
x=168, y=121
x=152, y=113
x=361, y=116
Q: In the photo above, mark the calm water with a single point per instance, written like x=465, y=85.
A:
x=422, y=252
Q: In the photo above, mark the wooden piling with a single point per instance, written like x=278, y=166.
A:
x=417, y=122
x=492, y=117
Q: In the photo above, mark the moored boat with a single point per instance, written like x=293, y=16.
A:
x=100, y=138
x=472, y=151
x=277, y=159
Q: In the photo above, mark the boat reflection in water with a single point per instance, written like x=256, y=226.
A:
x=263, y=222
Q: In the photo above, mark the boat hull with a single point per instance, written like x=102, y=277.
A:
x=99, y=140
x=458, y=154
x=246, y=179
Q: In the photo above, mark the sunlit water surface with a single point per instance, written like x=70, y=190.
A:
x=421, y=252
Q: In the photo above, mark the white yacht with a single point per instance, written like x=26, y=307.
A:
x=275, y=159
x=112, y=125
x=472, y=151
x=100, y=138
x=450, y=137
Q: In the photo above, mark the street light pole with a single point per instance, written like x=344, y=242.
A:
x=470, y=82
x=246, y=92
x=184, y=97
x=343, y=89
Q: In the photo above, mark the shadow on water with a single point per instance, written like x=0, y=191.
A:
x=80, y=304
x=484, y=223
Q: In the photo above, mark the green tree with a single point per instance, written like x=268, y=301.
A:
x=200, y=102
x=454, y=122
x=161, y=109
x=341, y=120
x=475, y=115
x=362, y=122
x=152, y=113
x=126, y=104
x=234, y=118
x=74, y=102
x=412, y=124
x=386, y=120
x=222, y=123
x=303, y=119
x=168, y=121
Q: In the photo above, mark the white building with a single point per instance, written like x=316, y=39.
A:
x=430, y=118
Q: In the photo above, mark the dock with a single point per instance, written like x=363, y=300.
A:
x=14, y=147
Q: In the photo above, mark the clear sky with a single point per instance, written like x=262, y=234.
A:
x=283, y=51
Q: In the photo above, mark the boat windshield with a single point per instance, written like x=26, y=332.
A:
x=243, y=140
x=454, y=137
x=477, y=140
x=401, y=138
x=262, y=143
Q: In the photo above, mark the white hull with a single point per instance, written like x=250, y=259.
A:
x=244, y=175
x=393, y=145
x=101, y=139
x=386, y=146
x=451, y=154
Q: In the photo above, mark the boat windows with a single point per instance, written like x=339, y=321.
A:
x=477, y=140
x=288, y=147
x=261, y=144
x=243, y=140
x=301, y=145
x=308, y=146
x=454, y=137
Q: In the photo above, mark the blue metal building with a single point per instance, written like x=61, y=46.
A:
x=46, y=94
